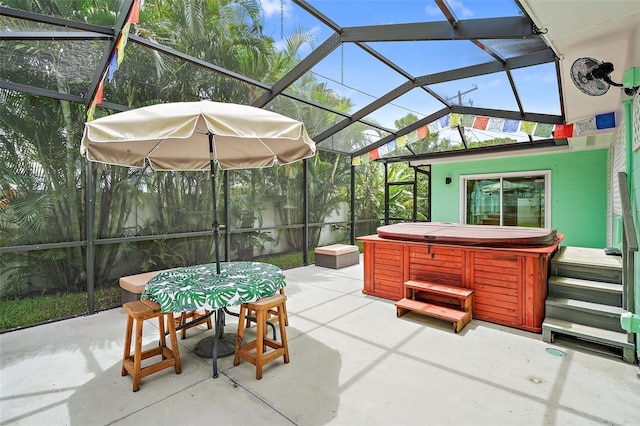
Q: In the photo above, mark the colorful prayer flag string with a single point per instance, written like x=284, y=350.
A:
x=540, y=130
x=116, y=58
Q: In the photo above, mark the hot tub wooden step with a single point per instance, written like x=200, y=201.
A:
x=457, y=317
x=463, y=297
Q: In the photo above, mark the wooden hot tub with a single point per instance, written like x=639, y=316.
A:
x=506, y=267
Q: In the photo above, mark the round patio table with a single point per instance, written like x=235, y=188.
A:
x=200, y=287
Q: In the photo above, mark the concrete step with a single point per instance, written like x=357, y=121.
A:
x=587, y=313
x=586, y=290
x=552, y=326
x=587, y=263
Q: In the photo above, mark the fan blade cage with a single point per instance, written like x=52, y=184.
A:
x=582, y=77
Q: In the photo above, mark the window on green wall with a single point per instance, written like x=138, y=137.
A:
x=508, y=199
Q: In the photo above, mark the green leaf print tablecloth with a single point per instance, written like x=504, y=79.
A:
x=199, y=287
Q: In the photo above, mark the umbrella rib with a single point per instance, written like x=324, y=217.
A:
x=212, y=151
x=147, y=157
x=270, y=150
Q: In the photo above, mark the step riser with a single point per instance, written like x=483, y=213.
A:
x=585, y=294
x=590, y=318
x=552, y=327
x=586, y=272
x=449, y=302
x=628, y=354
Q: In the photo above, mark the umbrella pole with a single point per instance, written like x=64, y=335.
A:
x=216, y=224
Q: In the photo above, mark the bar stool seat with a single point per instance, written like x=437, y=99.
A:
x=272, y=316
x=139, y=311
x=257, y=351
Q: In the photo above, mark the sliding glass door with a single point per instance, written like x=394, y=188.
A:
x=506, y=200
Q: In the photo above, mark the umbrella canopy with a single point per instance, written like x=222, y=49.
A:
x=176, y=136
x=186, y=136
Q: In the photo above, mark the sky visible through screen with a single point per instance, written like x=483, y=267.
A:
x=353, y=73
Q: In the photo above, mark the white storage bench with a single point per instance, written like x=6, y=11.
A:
x=337, y=256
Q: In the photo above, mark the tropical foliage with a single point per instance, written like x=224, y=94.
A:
x=43, y=176
x=137, y=213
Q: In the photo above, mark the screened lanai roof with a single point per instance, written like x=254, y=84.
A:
x=370, y=76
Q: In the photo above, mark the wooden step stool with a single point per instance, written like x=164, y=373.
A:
x=256, y=351
x=140, y=311
x=445, y=302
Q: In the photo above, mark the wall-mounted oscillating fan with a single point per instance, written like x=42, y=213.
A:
x=592, y=76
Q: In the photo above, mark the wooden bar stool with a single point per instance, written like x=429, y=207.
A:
x=132, y=287
x=273, y=315
x=140, y=311
x=194, y=316
x=256, y=352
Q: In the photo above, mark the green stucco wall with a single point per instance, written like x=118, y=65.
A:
x=632, y=140
x=578, y=191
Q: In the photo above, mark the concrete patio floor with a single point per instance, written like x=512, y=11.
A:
x=352, y=363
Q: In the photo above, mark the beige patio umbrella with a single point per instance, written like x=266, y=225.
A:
x=188, y=136
x=176, y=136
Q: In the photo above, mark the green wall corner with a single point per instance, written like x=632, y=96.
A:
x=578, y=190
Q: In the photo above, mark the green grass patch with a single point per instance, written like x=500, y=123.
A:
x=288, y=260
x=294, y=260
x=34, y=310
